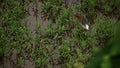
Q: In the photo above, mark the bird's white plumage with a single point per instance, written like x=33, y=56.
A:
x=87, y=26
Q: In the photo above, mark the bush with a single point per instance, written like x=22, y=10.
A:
x=108, y=57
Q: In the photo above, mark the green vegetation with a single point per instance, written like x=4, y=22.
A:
x=13, y=34
x=63, y=43
x=108, y=57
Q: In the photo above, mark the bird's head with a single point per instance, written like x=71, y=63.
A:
x=78, y=16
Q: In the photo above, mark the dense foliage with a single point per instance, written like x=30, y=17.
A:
x=63, y=43
x=108, y=57
x=13, y=33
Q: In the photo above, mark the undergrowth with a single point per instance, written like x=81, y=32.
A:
x=14, y=37
x=63, y=43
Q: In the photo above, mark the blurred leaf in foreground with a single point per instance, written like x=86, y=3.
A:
x=109, y=56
